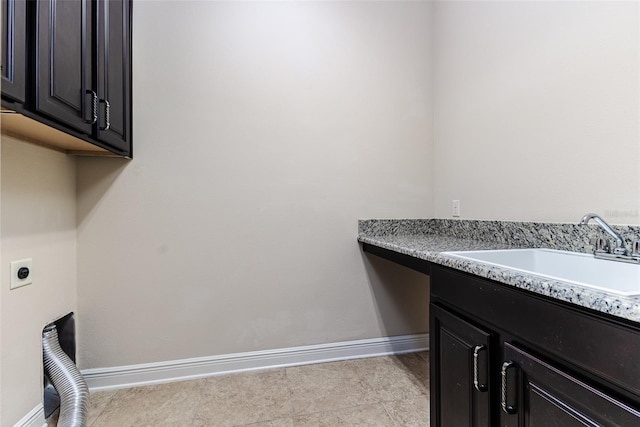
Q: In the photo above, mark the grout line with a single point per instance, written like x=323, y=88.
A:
x=199, y=388
x=267, y=421
x=286, y=377
x=103, y=408
x=389, y=415
x=340, y=409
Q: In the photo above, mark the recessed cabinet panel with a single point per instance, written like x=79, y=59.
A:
x=460, y=372
x=549, y=396
x=113, y=72
x=63, y=62
x=14, y=22
x=554, y=412
x=455, y=383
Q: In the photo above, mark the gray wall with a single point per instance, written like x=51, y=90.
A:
x=38, y=221
x=263, y=132
x=537, y=111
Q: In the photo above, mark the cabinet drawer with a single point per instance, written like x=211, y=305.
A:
x=600, y=346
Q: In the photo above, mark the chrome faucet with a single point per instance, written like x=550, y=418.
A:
x=619, y=249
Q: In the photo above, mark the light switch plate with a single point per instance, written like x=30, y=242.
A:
x=16, y=281
x=456, y=209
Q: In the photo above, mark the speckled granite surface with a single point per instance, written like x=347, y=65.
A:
x=428, y=239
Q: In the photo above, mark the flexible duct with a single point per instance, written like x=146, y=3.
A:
x=67, y=379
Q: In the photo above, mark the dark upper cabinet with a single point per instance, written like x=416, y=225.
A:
x=113, y=84
x=78, y=69
x=63, y=63
x=14, y=36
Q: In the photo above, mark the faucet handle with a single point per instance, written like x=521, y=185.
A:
x=601, y=245
x=618, y=250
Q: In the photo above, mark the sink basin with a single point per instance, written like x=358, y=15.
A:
x=576, y=268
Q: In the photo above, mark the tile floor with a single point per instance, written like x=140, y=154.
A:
x=381, y=391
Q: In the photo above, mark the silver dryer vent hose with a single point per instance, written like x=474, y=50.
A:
x=67, y=379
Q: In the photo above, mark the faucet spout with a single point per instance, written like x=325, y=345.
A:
x=606, y=227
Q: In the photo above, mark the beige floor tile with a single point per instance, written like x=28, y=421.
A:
x=418, y=365
x=412, y=412
x=369, y=415
x=170, y=404
x=283, y=422
x=348, y=393
x=240, y=399
x=424, y=355
x=98, y=401
x=328, y=386
x=396, y=377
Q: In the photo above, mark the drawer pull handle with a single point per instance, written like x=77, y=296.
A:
x=509, y=409
x=476, y=382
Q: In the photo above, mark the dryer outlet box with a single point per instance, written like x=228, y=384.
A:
x=21, y=273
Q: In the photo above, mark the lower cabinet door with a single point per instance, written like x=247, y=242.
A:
x=534, y=393
x=459, y=371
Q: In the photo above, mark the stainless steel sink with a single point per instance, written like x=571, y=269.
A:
x=576, y=268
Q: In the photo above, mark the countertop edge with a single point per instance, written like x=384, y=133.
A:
x=431, y=247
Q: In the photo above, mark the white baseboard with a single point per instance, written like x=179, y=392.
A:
x=178, y=370
x=35, y=418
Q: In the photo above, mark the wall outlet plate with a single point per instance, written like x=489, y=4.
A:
x=19, y=276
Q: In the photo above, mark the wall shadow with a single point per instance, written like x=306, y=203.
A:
x=401, y=296
x=95, y=177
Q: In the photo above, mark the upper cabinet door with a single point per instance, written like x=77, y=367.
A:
x=63, y=63
x=114, y=72
x=14, y=25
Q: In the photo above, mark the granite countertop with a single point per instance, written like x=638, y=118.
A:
x=428, y=239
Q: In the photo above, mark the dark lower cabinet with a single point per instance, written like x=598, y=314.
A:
x=460, y=393
x=502, y=356
x=540, y=394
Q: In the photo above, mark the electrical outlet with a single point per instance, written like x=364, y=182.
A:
x=456, y=208
x=21, y=273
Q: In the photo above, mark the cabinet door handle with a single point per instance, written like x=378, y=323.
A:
x=94, y=107
x=107, y=114
x=509, y=409
x=476, y=382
